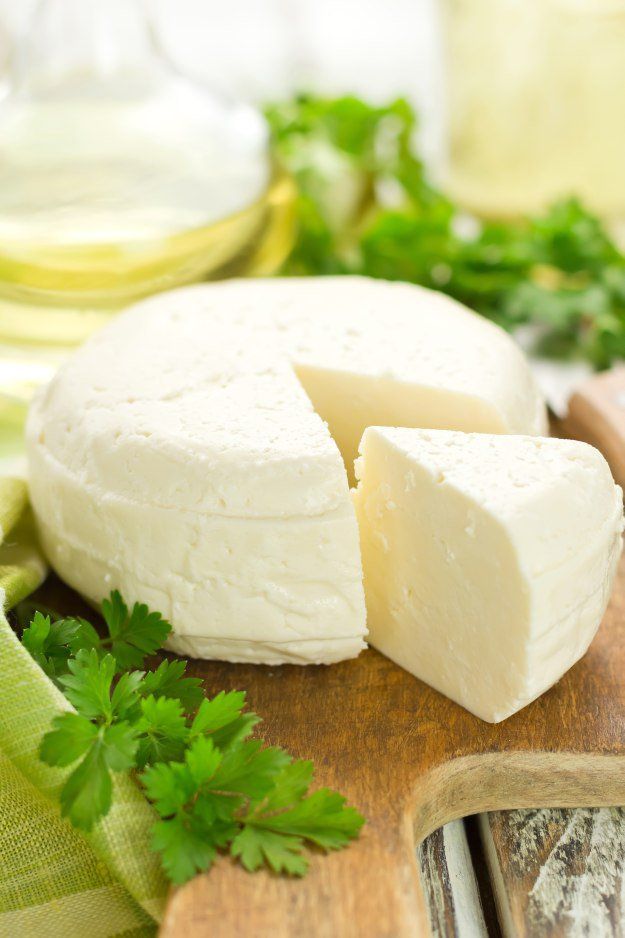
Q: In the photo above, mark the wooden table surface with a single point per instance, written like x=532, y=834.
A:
x=531, y=874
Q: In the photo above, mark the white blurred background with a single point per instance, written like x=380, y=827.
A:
x=262, y=49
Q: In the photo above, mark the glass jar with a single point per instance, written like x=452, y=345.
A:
x=119, y=177
x=536, y=104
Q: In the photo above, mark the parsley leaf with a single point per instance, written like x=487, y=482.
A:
x=250, y=796
x=70, y=738
x=203, y=759
x=86, y=794
x=133, y=635
x=321, y=818
x=255, y=846
x=185, y=846
x=194, y=822
x=125, y=696
x=365, y=206
x=168, y=681
x=290, y=785
x=48, y=642
x=236, y=731
x=223, y=718
x=213, y=787
x=163, y=730
x=169, y=786
x=217, y=713
x=249, y=769
x=99, y=732
x=85, y=636
x=275, y=830
x=88, y=685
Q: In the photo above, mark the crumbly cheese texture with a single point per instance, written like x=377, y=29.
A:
x=190, y=453
x=488, y=560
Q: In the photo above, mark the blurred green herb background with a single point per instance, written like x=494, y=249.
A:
x=365, y=206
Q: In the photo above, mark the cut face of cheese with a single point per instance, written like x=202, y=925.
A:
x=183, y=457
x=488, y=560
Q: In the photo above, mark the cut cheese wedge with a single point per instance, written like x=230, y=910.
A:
x=488, y=560
x=183, y=455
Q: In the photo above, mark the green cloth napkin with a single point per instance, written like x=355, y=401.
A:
x=55, y=881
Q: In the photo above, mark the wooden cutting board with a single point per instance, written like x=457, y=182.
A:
x=410, y=760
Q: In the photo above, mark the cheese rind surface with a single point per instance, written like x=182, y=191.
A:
x=488, y=560
x=182, y=455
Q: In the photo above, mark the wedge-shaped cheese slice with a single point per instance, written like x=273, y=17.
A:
x=488, y=560
x=182, y=455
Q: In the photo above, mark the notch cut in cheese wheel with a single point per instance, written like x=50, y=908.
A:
x=182, y=456
x=488, y=560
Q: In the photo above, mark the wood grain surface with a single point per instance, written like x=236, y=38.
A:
x=557, y=873
x=450, y=885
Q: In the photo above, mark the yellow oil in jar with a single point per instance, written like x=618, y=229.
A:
x=58, y=289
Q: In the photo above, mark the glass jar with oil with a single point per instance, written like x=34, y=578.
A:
x=119, y=177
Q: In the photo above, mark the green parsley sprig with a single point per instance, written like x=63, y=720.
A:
x=213, y=787
x=365, y=206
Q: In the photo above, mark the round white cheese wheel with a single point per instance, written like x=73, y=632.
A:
x=189, y=454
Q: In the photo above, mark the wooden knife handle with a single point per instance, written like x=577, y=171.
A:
x=597, y=415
